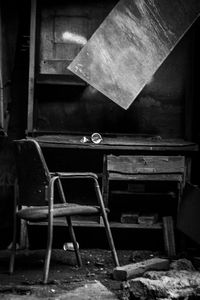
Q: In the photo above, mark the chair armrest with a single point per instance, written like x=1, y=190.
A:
x=75, y=175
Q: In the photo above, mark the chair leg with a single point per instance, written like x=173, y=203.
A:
x=106, y=224
x=13, y=247
x=24, y=241
x=14, y=239
x=48, y=252
x=110, y=239
x=73, y=238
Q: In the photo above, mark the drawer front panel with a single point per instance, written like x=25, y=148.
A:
x=145, y=164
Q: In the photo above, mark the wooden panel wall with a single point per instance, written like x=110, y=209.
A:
x=65, y=29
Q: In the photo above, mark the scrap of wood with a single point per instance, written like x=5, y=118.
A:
x=169, y=238
x=129, y=218
x=138, y=269
x=148, y=219
x=130, y=45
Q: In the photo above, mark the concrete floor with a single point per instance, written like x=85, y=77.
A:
x=66, y=280
x=93, y=281
x=89, y=291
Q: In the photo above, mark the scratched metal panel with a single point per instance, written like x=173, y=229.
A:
x=130, y=45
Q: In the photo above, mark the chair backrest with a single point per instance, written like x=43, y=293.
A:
x=32, y=172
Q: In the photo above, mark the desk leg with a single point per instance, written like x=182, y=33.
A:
x=169, y=239
x=24, y=241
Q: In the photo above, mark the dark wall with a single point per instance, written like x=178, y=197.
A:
x=164, y=107
x=159, y=109
x=14, y=20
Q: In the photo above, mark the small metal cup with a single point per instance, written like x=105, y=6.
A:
x=69, y=246
x=96, y=138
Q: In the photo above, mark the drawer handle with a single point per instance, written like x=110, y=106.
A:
x=145, y=170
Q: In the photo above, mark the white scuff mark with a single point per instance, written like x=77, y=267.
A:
x=74, y=38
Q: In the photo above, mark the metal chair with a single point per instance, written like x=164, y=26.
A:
x=37, y=189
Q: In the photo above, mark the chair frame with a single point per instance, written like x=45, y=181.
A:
x=55, y=179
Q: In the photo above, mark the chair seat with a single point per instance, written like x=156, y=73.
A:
x=36, y=213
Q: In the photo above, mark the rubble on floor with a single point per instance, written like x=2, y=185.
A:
x=181, y=281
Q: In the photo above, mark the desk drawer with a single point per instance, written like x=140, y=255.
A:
x=126, y=164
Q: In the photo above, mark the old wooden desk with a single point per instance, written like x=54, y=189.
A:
x=89, y=156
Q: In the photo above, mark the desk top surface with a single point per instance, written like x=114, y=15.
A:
x=118, y=142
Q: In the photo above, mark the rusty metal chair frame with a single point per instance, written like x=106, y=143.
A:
x=52, y=210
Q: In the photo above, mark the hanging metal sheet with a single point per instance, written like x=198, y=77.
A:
x=130, y=45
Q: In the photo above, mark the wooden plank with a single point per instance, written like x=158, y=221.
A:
x=62, y=222
x=138, y=269
x=149, y=177
x=31, y=81
x=59, y=80
x=129, y=218
x=148, y=219
x=148, y=194
x=131, y=44
x=169, y=239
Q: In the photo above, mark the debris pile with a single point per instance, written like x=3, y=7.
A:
x=180, y=281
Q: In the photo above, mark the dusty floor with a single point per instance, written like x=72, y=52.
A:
x=64, y=274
